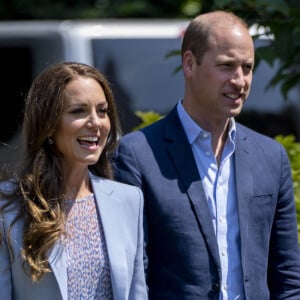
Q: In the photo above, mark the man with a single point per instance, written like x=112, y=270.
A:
x=220, y=219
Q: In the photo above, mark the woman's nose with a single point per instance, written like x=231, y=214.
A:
x=94, y=121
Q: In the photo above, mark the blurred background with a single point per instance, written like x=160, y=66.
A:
x=136, y=45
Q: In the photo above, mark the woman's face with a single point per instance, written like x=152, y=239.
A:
x=84, y=125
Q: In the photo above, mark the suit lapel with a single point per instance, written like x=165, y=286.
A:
x=183, y=158
x=244, y=186
x=111, y=213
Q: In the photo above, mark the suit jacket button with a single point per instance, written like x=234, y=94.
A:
x=215, y=287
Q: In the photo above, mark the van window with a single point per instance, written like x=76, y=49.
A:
x=23, y=56
x=15, y=79
x=143, y=79
x=140, y=75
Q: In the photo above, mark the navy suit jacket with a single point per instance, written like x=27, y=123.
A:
x=182, y=251
x=121, y=210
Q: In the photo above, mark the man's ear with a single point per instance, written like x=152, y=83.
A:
x=188, y=60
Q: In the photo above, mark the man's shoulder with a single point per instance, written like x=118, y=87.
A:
x=242, y=129
x=255, y=138
x=154, y=129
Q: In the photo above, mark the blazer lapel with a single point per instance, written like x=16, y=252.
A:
x=59, y=268
x=183, y=158
x=110, y=210
x=111, y=213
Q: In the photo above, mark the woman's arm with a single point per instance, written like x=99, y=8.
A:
x=138, y=289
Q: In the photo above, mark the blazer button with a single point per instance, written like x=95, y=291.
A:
x=215, y=288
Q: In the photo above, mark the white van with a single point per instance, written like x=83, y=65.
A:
x=131, y=53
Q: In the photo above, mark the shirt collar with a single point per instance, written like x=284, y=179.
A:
x=192, y=129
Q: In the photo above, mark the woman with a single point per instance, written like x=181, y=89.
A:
x=67, y=230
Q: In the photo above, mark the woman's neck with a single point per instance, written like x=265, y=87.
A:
x=77, y=184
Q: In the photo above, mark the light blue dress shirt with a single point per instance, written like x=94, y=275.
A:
x=220, y=188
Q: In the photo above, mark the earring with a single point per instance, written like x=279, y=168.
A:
x=50, y=141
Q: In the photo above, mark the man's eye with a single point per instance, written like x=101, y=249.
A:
x=225, y=65
x=248, y=67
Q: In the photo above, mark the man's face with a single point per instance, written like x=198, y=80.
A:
x=220, y=84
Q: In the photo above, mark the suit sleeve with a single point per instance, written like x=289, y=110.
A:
x=138, y=290
x=5, y=267
x=125, y=165
x=284, y=257
x=127, y=170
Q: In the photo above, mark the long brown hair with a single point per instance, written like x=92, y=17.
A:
x=40, y=185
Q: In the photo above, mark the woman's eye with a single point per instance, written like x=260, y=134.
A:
x=103, y=111
x=77, y=111
x=84, y=111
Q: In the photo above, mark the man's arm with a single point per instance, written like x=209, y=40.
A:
x=126, y=170
x=284, y=255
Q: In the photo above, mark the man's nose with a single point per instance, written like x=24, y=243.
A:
x=238, y=78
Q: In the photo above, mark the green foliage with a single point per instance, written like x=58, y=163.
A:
x=78, y=9
x=281, y=22
x=47, y=9
x=147, y=118
x=293, y=151
x=281, y=19
x=191, y=7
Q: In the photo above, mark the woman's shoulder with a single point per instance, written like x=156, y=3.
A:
x=123, y=189
x=114, y=184
x=7, y=195
x=8, y=187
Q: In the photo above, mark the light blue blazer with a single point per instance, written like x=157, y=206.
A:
x=121, y=211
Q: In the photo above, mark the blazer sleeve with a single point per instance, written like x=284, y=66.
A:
x=284, y=255
x=138, y=290
x=5, y=266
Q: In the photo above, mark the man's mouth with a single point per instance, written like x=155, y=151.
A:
x=233, y=96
